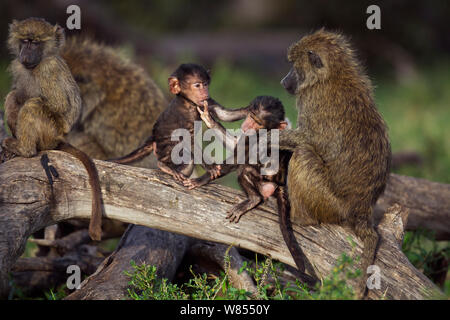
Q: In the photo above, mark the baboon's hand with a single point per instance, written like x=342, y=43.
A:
x=178, y=176
x=10, y=145
x=6, y=155
x=215, y=171
x=205, y=116
x=193, y=183
x=234, y=216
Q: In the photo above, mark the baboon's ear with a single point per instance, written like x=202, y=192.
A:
x=314, y=59
x=59, y=35
x=174, y=85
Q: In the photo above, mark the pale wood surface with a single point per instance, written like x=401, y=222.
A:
x=151, y=198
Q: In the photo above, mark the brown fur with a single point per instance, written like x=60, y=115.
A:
x=269, y=113
x=341, y=151
x=45, y=102
x=181, y=113
x=120, y=101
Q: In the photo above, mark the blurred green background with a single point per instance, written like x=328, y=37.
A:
x=244, y=44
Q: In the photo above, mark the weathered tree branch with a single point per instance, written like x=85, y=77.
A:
x=150, y=198
x=427, y=201
x=162, y=249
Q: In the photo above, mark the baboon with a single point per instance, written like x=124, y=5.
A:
x=120, y=102
x=264, y=112
x=341, y=150
x=45, y=102
x=190, y=85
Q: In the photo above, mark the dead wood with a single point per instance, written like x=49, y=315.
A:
x=34, y=275
x=162, y=249
x=428, y=203
x=403, y=158
x=151, y=198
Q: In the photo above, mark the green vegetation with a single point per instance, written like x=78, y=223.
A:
x=418, y=116
x=145, y=285
x=429, y=256
x=4, y=82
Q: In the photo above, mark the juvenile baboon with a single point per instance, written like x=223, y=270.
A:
x=341, y=150
x=190, y=85
x=45, y=102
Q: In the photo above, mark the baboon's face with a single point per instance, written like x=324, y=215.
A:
x=292, y=81
x=33, y=39
x=193, y=87
x=30, y=52
x=307, y=57
x=196, y=88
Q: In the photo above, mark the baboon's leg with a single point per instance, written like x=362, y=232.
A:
x=313, y=202
x=35, y=130
x=249, y=182
x=12, y=108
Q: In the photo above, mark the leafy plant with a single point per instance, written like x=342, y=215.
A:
x=145, y=285
x=59, y=294
x=428, y=255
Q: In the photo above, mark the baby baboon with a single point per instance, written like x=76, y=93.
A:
x=45, y=102
x=265, y=112
x=341, y=151
x=190, y=85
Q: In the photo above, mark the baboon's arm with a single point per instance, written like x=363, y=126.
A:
x=221, y=113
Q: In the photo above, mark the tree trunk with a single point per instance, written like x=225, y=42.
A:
x=151, y=198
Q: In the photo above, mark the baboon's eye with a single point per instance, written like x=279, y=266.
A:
x=314, y=59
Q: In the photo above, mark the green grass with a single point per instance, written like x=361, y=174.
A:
x=145, y=285
x=427, y=255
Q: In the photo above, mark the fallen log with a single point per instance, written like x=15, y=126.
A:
x=32, y=276
x=427, y=201
x=151, y=198
x=162, y=249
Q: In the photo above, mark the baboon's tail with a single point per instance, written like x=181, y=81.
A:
x=95, y=225
x=137, y=154
x=367, y=233
x=284, y=209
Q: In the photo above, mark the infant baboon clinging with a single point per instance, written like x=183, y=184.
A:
x=264, y=112
x=45, y=101
x=341, y=151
